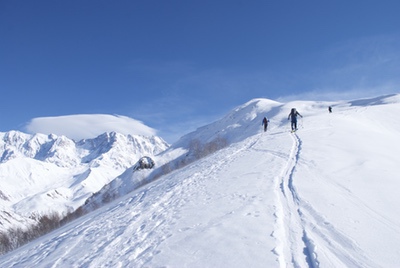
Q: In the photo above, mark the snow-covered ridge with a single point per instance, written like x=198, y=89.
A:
x=239, y=124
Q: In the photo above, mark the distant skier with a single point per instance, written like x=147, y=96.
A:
x=330, y=109
x=293, y=115
x=265, y=123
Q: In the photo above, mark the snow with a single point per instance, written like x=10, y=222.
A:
x=83, y=126
x=325, y=196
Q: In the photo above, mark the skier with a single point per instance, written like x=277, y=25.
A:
x=330, y=109
x=293, y=115
x=265, y=123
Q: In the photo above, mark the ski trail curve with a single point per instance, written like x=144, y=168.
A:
x=302, y=233
x=294, y=247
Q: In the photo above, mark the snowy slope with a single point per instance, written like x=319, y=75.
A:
x=325, y=196
x=234, y=127
x=41, y=174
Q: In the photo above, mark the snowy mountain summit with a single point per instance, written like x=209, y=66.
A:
x=231, y=195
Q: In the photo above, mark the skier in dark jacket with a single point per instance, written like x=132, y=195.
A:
x=293, y=115
x=265, y=123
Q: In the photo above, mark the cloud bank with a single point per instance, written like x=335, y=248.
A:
x=84, y=126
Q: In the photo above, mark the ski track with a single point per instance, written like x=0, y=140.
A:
x=294, y=247
x=302, y=234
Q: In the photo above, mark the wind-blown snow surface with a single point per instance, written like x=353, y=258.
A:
x=325, y=196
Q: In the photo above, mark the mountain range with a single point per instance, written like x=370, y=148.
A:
x=44, y=174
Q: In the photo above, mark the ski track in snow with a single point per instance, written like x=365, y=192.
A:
x=298, y=226
x=293, y=245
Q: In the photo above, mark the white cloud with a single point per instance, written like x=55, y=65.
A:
x=84, y=126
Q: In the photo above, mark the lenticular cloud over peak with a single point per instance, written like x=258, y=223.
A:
x=84, y=126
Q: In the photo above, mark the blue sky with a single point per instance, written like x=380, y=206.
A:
x=177, y=65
